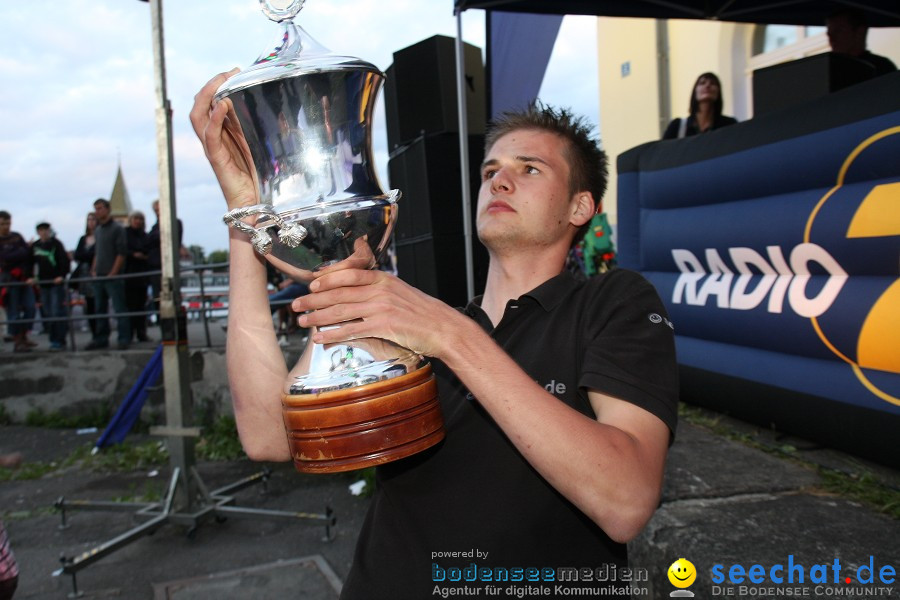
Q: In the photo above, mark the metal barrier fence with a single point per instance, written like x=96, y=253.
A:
x=201, y=309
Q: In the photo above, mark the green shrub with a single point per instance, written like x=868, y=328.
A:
x=219, y=440
x=96, y=416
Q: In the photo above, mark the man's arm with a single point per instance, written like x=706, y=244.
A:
x=120, y=244
x=611, y=468
x=256, y=366
x=63, y=264
x=117, y=265
x=17, y=251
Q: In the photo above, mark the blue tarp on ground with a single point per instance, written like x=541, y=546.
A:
x=131, y=406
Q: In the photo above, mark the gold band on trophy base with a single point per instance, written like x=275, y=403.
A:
x=363, y=426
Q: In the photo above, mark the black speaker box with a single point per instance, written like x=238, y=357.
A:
x=428, y=175
x=791, y=83
x=420, y=91
x=429, y=237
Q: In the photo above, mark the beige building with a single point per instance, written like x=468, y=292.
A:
x=647, y=68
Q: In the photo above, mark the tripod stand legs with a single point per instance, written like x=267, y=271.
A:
x=218, y=504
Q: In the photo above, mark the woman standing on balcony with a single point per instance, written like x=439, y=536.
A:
x=705, y=110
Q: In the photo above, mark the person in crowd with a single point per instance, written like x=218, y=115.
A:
x=51, y=268
x=110, y=252
x=704, y=110
x=154, y=256
x=559, y=394
x=16, y=266
x=84, y=257
x=847, y=33
x=136, y=287
x=9, y=569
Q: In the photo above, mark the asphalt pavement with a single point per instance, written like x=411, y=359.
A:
x=725, y=503
x=298, y=545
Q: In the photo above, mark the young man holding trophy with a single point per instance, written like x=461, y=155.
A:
x=558, y=395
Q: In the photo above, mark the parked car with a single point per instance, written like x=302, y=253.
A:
x=213, y=303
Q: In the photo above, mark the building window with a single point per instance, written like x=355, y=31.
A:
x=774, y=44
x=771, y=38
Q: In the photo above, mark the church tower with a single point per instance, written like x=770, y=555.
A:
x=119, y=200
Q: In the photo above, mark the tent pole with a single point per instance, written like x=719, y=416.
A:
x=464, y=156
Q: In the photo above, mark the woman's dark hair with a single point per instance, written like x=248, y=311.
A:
x=717, y=105
x=87, y=228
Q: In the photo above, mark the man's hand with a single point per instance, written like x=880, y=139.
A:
x=217, y=127
x=375, y=304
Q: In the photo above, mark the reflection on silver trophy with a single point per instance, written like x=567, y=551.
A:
x=304, y=122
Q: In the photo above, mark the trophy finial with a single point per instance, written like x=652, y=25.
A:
x=281, y=10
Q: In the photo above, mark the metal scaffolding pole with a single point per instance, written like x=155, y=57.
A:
x=188, y=502
x=173, y=322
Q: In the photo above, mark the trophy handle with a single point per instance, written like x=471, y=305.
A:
x=290, y=234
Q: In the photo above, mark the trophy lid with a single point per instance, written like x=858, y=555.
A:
x=294, y=53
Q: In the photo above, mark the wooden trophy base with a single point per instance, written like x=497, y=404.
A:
x=364, y=426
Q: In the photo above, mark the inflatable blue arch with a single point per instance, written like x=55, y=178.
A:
x=775, y=244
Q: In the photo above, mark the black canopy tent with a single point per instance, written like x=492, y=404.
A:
x=879, y=13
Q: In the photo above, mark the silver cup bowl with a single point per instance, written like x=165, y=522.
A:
x=305, y=125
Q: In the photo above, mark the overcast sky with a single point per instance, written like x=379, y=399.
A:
x=78, y=95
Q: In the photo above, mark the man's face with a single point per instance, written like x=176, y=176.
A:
x=44, y=233
x=137, y=222
x=5, y=226
x=844, y=37
x=524, y=198
x=102, y=212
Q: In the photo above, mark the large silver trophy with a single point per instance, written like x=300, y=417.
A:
x=305, y=119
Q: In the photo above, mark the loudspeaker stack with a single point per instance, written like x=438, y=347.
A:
x=423, y=136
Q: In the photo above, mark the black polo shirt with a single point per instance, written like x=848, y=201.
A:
x=473, y=499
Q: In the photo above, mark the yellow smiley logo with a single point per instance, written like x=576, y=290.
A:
x=682, y=573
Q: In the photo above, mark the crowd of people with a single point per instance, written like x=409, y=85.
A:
x=112, y=269
x=115, y=269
